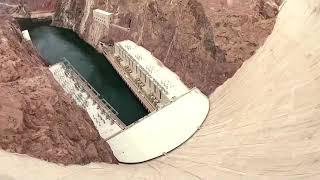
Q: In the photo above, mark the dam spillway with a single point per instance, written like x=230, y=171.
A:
x=57, y=43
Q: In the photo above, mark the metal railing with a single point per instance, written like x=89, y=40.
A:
x=93, y=93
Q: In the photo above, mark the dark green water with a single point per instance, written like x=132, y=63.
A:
x=55, y=43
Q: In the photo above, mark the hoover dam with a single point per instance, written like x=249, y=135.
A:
x=262, y=123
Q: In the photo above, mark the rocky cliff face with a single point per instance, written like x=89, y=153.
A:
x=241, y=26
x=43, y=5
x=34, y=5
x=36, y=116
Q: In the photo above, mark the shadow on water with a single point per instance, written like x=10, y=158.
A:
x=55, y=43
x=27, y=23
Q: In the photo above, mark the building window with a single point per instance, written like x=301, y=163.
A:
x=155, y=88
x=160, y=95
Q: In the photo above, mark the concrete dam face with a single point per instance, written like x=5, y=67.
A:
x=263, y=123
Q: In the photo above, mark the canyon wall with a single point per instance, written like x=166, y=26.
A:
x=34, y=5
x=241, y=26
x=43, y=5
x=36, y=116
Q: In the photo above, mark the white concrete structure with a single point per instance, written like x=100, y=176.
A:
x=263, y=123
x=103, y=117
x=102, y=17
x=101, y=24
x=164, y=83
x=161, y=131
x=26, y=35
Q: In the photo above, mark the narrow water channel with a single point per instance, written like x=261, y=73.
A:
x=55, y=43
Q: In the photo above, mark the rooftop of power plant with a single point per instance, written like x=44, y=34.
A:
x=168, y=81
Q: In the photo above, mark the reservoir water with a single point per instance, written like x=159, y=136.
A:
x=55, y=43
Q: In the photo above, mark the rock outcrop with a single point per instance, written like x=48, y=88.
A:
x=43, y=5
x=36, y=116
x=241, y=26
x=34, y=5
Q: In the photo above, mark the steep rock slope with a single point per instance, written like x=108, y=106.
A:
x=241, y=26
x=176, y=31
x=36, y=116
x=43, y=5
x=33, y=5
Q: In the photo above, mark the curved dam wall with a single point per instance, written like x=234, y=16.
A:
x=263, y=123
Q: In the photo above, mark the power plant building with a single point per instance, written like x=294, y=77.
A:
x=160, y=82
